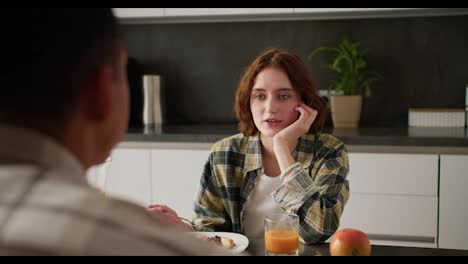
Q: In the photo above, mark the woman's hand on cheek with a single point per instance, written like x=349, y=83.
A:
x=310, y=116
x=289, y=135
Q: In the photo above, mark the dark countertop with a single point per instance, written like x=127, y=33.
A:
x=257, y=248
x=399, y=136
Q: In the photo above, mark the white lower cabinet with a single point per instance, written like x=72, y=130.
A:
x=393, y=198
x=148, y=176
x=453, y=216
x=97, y=176
x=176, y=175
x=129, y=175
x=393, y=219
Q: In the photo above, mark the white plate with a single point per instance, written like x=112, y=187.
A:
x=242, y=242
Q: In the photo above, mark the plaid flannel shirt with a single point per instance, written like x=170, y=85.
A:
x=315, y=187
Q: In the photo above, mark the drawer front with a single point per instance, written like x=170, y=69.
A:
x=453, y=215
x=129, y=175
x=409, y=174
x=390, y=217
x=176, y=185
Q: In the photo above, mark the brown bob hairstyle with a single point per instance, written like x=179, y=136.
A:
x=299, y=76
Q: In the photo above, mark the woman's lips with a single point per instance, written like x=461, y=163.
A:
x=272, y=122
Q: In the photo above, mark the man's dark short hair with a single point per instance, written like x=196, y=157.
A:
x=49, y=54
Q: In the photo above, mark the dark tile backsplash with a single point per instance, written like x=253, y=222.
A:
x=423, y=62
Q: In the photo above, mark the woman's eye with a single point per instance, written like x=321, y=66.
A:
x=260, y=96
x=284, y=96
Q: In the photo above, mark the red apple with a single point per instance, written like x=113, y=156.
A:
x=350, y=242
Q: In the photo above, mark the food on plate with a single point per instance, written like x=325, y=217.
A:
x=225, y=242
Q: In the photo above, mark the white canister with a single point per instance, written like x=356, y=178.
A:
x=152, y=114
x=466, y=97
x=466, y=117
x=466, y=105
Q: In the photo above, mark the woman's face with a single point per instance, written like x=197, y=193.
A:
x=273, y=101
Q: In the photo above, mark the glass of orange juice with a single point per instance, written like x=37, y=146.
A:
x=282, y=234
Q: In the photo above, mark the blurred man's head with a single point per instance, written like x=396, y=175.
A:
x=63, y=72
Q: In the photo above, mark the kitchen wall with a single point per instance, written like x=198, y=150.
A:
x=423, y=62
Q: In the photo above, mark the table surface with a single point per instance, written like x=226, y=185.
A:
x=257, y=248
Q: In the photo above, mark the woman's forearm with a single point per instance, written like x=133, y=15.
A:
x=283, y=156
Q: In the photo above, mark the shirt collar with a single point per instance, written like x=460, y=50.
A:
x=304, y=152
x=29, y=147
x=253, y=153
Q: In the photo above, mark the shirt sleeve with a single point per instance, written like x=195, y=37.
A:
x=319, y=198
x=210, y=214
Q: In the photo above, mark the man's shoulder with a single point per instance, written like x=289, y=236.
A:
x=63, y=218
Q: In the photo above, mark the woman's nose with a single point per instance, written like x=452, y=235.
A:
x=271, y=106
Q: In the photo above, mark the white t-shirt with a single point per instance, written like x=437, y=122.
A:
x=259, y=204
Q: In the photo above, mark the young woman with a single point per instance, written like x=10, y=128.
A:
x=280, y=162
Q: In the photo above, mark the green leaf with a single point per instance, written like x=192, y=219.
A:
x=350, y=64
x=320, y=49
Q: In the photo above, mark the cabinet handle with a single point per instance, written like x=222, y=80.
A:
x=423, y=239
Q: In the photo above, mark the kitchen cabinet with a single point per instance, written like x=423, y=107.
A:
x=355, y=10
x=189, y=15
x=96, y=176
x=453, y=215
x=138, y=12
x=336, y=13
x=176, y=174
x=326, y=10
x=147, y=176
x=128, y=175
x=224, y=11
x=393, y=198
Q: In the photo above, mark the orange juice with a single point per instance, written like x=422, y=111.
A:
x=281, y=241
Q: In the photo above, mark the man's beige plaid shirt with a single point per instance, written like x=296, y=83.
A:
x=47, y=208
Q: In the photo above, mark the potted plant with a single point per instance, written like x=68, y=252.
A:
x=352, y=83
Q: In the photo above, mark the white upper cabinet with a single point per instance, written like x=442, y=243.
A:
x=224, y=11
x=187, y=15
x=325, y=10
x=332, y=13
x=138, y=12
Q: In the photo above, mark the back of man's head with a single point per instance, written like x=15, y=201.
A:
x=48, y=56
